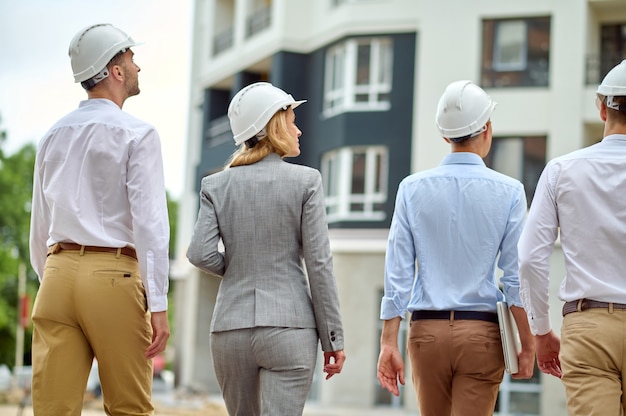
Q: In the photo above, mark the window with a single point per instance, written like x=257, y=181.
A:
x=260, y=16
x=522, y=158
x=358, y=76
x=612, y=47
x=355, y=183
x=516, y=52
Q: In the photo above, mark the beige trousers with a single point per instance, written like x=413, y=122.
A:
x=593, y=357
x=91, y=305
x=457, y=366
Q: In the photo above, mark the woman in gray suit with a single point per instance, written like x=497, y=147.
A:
x=270, y=217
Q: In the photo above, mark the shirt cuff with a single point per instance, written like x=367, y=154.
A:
x=158, y=303
x=540, y=326
x=388, y=309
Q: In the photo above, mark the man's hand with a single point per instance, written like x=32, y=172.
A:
x=548, y=348
x=160, y=334
x=390, y=369
x=526, y=357
x=333, y=362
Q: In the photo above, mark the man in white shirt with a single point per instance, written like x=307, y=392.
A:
x=99, y=240
x=582, y=194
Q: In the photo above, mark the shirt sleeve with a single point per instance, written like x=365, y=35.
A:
x=399, y=263
x=535, y=247
x=148, y=206
x=508, y=260
x=39, y=224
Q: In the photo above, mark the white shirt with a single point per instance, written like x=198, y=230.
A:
x=99, y=181
x=584, y=194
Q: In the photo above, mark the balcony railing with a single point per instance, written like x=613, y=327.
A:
x=596, y=67
x=259, y=21
x=223, y=41
x=218, y=132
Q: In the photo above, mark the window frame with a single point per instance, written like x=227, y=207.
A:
x=341, y=88
x=531, y=68
x=338, y=175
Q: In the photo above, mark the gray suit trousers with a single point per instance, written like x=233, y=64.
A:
x=265, y=371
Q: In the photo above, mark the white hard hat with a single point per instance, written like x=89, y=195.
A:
x=614, y=83
x=253, y=106
x=93, y=47
x=463, y=109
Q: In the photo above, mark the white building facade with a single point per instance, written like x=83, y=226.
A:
x=373, y=71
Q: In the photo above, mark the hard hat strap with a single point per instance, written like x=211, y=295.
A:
x=91, y=82
x=615, y=105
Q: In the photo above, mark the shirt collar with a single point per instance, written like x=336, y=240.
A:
x=462, y=158
x=611, y=137
x=97, y=101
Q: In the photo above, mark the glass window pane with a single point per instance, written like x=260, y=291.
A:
x=358, y=173
x=377, y=172
x=507, y=156
x=384, y=71
x=363, y=64
x=524, y=403
x=510, y=48
x=356, y=207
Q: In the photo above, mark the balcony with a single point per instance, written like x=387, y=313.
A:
x=259, y=21
x=223, y=41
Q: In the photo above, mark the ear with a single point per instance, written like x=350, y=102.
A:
x=447, y=140
x=603, y=112
x=116, y=72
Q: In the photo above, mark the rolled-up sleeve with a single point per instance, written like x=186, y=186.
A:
x=399, y=263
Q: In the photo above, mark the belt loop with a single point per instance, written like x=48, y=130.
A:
x=451, y=318
x=118, y=253
x=82, y=250
x=610, y=307
x=579, y=305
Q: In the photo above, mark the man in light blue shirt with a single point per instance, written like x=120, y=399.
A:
x=454, y=224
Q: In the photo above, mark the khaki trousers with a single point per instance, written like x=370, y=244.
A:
x=593, y=358
x=457, y=366
x=91, y=305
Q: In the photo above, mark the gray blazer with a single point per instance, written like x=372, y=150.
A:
x=270, y=217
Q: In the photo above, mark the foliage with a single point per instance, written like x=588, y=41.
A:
x=16, y=178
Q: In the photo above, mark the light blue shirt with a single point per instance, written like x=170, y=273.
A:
x=451, y=226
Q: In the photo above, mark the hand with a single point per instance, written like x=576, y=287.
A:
x=333, y=362
x=548, y=348
x=390, y=369
x=160, y=334
x=526, y=359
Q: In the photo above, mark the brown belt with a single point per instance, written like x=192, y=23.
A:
x=127, y=251
x=584, y=304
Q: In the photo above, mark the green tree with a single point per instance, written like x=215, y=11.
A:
x=16, y=178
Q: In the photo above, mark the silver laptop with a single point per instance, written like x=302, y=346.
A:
x=510, y=337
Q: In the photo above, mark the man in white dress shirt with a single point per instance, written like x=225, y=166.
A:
x=99, y=240
x=583, y=194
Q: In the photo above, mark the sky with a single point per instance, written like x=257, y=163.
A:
x=36, y=83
